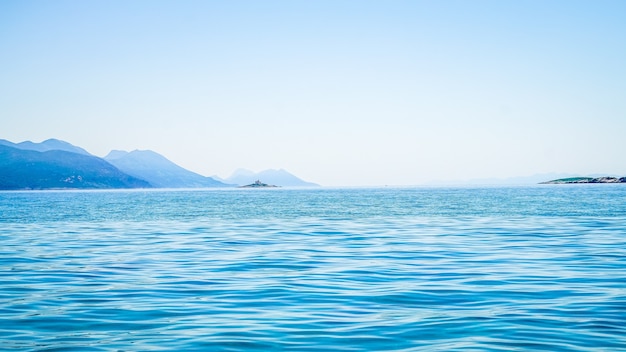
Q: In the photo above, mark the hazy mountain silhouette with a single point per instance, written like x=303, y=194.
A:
x=49, y=144
x=31, y=169
x=276, y=177
x=58, y=164
x=158, y=170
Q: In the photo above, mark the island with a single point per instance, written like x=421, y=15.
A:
x=259, y=184
x=572, y=180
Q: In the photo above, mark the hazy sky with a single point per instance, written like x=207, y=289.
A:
x=337, y=92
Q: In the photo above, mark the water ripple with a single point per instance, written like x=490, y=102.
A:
x=229, y=283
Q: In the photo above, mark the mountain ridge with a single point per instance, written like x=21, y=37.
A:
x=60, y=169
x=158, y=170
x=47, y=145
x=150, y=167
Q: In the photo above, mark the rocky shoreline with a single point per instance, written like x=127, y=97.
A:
x=572, y=180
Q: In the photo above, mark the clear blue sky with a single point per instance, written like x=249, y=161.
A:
x=337, y=92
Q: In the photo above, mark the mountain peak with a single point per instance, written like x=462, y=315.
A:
x=116, y=154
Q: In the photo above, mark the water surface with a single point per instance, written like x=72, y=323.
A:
x=432, y=269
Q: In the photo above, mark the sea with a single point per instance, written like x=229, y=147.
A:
x=525, y=268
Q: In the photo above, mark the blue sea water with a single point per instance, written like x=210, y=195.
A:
x=538, y=268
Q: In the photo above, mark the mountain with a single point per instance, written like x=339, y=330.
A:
x=276, y=177
x=57, y=164
x=47, y=145
x=31, y=169
x=158, y=170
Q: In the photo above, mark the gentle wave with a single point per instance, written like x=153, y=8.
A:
x=229, y=282
x=348, y=204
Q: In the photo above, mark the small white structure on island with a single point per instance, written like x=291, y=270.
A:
x=258, y=184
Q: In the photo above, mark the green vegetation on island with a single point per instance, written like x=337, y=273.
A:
x=576, y=180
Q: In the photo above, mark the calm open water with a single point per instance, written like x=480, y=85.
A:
x=415, y=269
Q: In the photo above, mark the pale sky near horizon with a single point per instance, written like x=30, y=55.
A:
x=336, y=92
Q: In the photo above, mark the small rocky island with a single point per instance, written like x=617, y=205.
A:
x=259, y=184
x=572, y=180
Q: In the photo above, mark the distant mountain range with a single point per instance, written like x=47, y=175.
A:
x=56, y=164
x=279, y=177
x=47, y=145
x=158, y=171
x=30, y=169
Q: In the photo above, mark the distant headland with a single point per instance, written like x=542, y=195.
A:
x=571, y=180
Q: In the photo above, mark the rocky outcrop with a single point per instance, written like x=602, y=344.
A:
x=258, y=184
x=278, y=177
x=608, y=180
